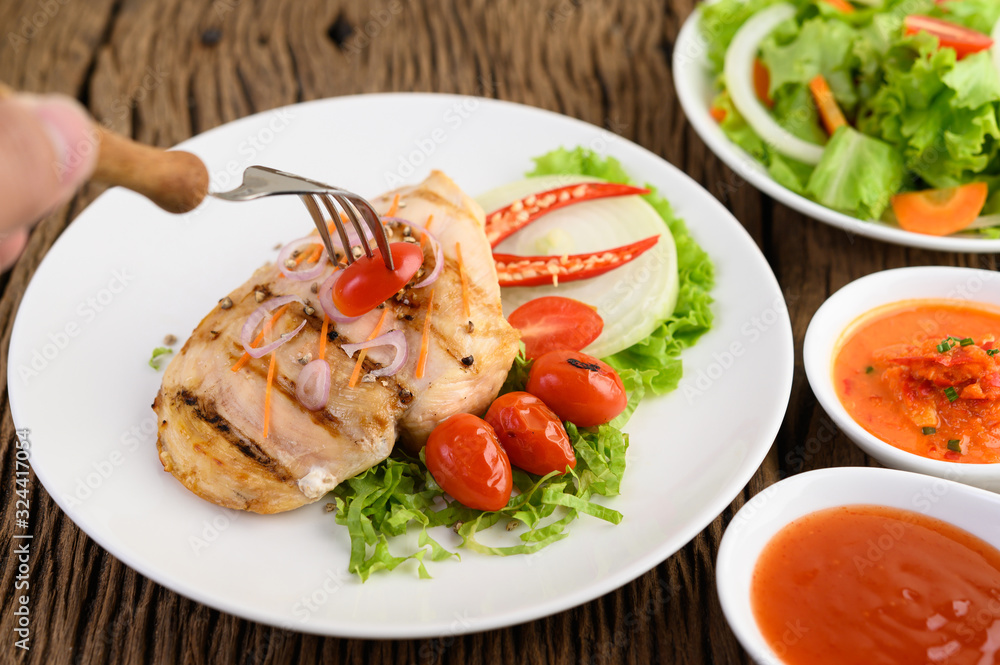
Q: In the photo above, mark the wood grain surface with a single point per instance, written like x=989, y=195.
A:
x=163, y=70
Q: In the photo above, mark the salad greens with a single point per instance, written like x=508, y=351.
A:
x=399, y=493
x=922, y=117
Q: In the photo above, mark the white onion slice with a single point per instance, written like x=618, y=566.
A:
x=301, y=275
x=312, y=388
x=633, y=299
x=246, y=335
x=984, y=222
x=326, y=300
x=995, y=49
x=394, y=338
x=738, y=71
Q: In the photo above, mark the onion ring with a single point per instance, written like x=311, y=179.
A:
x=312, y=388
x=435, y=245
x=301, y=275
x=394, y=338
x=246, y=335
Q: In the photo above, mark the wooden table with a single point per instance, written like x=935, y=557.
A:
x=163, y=70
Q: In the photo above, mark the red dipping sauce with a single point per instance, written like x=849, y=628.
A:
x=871, y=585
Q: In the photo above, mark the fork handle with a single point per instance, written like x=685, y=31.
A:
x=175, y=180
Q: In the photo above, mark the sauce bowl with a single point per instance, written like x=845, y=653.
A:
x=974, y=510
x=844, y=307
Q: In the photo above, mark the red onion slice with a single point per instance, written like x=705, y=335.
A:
x=326, y=300
x=394, y=338
x=435, y=245
x=301, y=275
x=312, y=388
x=246, y=335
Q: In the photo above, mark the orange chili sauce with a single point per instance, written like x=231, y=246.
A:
x=879, y=586
x=862, y=387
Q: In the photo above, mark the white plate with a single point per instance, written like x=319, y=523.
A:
x=87, y=405
x=694, y=82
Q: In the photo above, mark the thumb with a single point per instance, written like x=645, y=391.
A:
x=48, y=147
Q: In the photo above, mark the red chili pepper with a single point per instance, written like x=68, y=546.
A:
x=505, y=221
x=513, y=270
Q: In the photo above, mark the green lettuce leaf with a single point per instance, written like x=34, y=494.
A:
x=656, y=357
x=939, y=112
x=820, y=47
x=858, y=174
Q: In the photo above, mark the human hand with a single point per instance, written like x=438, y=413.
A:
x=48, y=147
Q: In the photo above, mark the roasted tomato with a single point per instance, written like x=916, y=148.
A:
x=466, y=460
x=367, y=283
x=531, y=434
x=577, y=387
x=555, y=322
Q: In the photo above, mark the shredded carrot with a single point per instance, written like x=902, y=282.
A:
x=425, y=337
x=245, y=358
x=430, y=218
x=313, y=256
x=394, y=208
x=322, y=336
x=266, y=332
x=364, y=352
x=267, y=396
x=465, y=282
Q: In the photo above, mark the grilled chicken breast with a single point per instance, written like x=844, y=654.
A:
x=211, y=419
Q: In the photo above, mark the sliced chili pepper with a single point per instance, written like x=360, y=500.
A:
x=514, y=217
x=513, y=270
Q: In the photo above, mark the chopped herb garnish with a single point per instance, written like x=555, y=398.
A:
x=955, y=444
x=869, y=369
x=951, y=393
x=992, y=352
x=157, y=358
x=928, y=430
x=966, y=342
x=945, y=346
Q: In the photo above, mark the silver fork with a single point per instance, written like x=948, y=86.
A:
x=261, y=181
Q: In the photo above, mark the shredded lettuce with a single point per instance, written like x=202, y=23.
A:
x=399, y=495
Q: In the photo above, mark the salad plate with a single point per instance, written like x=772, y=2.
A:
x=697, y=87
x=125, y=274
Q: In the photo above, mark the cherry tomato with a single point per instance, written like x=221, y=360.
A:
x=577, y=387
x=367, y=283
x=466, y=460
x=554, y=322
x=964, y=40
x=532, y=436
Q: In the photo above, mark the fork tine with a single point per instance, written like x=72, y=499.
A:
x=339, y=223
x=375, y=224
x=352, y=214
x=320, y=223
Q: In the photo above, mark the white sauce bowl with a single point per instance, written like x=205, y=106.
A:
x=968, y=508
x=860, y=297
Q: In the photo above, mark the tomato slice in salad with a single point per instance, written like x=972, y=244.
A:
x=367, y=283
x=940, y=212
x=962, y=39
x=555, y=322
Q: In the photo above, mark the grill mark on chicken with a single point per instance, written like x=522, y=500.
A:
x=206, y=412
